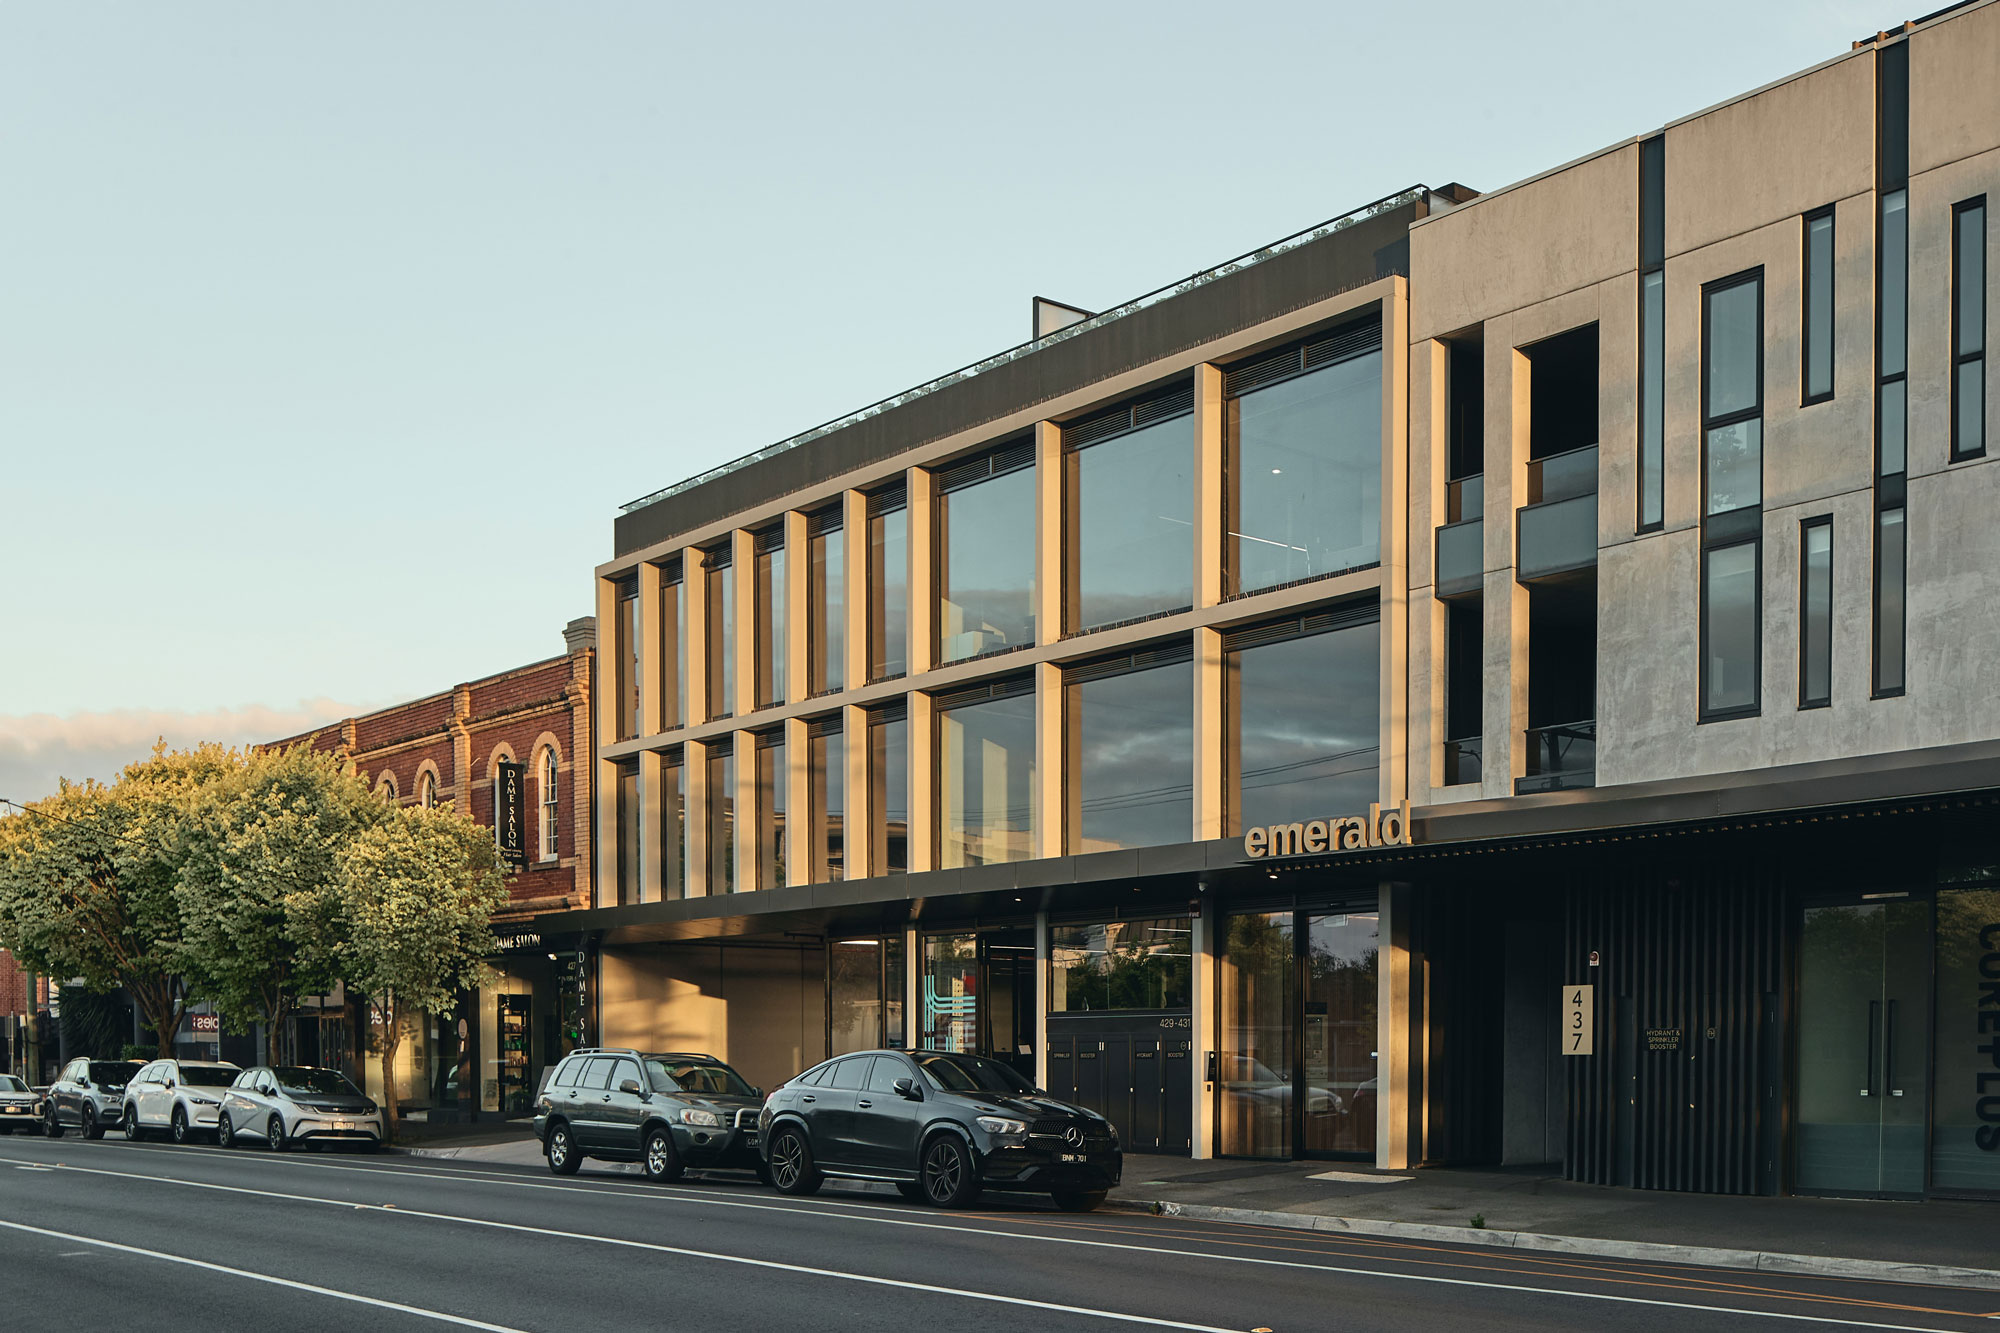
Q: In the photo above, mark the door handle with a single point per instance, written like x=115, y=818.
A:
x=864, y=1105
x=1874, y=1031
x=808, y=1097
x=1889, y=1050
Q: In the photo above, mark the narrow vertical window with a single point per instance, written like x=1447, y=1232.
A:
x=826, y=602
x=1732, y=407
x=1816, y=612
x=826, y=799
x=1968, y=329
x=721, y=631
x=888, y=584
x=1891, y=561
x=771, y=809
x=551, y=819
x=673, y=648
x=1892, y=341
x=722, y=815
x=1816, y=372
x=889, y=790
x=1652, y=331
x=673, y=830
x=625, y=637
x=770, y=609
x=628, y=833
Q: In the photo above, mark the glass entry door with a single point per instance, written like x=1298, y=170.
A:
x=979, y=995
x=1296, y=1035
x=1864, y=1001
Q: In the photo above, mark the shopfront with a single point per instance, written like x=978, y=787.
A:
x=978, y=994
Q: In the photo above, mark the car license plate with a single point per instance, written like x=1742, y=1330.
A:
x=1070, y=1157
x=340, y=1124
x=17, y=1110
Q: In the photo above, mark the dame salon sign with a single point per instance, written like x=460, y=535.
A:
x=1379, y=828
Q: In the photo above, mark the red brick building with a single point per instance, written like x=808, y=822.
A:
x=487, y=1057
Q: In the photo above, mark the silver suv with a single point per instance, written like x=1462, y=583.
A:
x=90, y=1096
x=183, y=1098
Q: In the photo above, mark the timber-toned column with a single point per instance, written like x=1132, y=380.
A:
x=1051, y=527
x=922, y=783
x=798, y=563
x=797, y=778
x=1210, y=520
x=854, y=574
x=694, y=595
x=919, y=488
x=694, y=786
x=1052, y=806
x=743, y=693
x=857, y=821
x=651, y=701
x=1210, y=775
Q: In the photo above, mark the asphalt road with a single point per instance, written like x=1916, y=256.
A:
x=120, y=1235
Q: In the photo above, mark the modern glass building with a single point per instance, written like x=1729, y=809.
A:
x=1490, y=679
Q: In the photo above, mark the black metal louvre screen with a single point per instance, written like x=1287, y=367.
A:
x=1688, y=950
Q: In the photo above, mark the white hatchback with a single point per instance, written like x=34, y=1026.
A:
x=286, y=1106
x=181, y=1097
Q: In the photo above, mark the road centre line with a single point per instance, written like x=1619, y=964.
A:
x=356, y=1297
x=393, y=1211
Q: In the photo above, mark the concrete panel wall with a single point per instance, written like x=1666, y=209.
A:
x=761, y=1009
x=1954, y=96
x=1568, y=230
x=1787, y=149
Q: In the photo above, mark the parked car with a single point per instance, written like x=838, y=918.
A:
x=942, y=1126
x=286, y=1106
x=20, y=1106
x=666, y=1111
x=89, y=1096
x=183, y=1098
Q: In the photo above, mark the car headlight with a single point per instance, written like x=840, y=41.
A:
x=199, y=1100
x=1001, y=1125
x=1112, y=1130
x=696, y=1116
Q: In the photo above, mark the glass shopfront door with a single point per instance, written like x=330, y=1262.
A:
x=1863, y=1057
x=1296, y=1035
x=978, y=993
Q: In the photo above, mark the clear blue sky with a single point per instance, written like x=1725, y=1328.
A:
x=333, y=335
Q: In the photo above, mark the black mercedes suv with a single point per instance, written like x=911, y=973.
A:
x=941, y=1126
x=668, y=1112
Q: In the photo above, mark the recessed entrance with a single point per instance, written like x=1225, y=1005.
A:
x=979, y=995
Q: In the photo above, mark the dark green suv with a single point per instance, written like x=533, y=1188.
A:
x=667, y=1111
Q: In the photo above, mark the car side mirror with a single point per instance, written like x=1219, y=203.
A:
x=630, y=1085
x=907, y=1088
x=757, y=1092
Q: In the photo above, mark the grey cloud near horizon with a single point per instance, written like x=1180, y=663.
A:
x=39, y=749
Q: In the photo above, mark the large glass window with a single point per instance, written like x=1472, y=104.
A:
x=628, y=833
x=1729, y=630
x=673, y=652
x=888, y=586
x=1304, y=475
x=770, y=627
x=1817, y=290
x=1965, y=1134
x=1338, y=1041
x=986, y=565
x=770, y=813
x=1131, y=762
x=1968, y=329
x=1733, y=393
x=951, y=993
x=1121, y=965
x=1816, y=612
x=826, y=606
x=721, y=577
x=673, y=828
x=826, y=788
x=722, y=817
x=1302, y=736
x=625, y=652
x=889, y=792
x=1131, y=498
x=986, y=776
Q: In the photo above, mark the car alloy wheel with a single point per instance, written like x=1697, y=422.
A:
x=132, y=1133
x=180, y=1125
x=274, y=1133
x=792, y=1169
x=948, y=1177
x=93, y=1128
x=51, y=1125
x=663, y=1164
x=225, y=1133
x=563, y=1159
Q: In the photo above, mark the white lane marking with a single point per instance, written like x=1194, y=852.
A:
x=356, y=1297
x=745, y=1260
x=394, y=1211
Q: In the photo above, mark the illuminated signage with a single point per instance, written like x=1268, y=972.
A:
x=1379, y=828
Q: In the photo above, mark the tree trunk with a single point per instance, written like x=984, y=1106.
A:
x=392, y=1039
x=163, y=1011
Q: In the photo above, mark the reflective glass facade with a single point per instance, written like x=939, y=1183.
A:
x=1302, y=736
x=721, y=636
x=826, y=790
x=1131, y=780
x=1131, y=505
x=1304, y=459
x=1121, y=965
x=826, y=611
x=986, y=782
x=888, y=594
x=986, y=566
x=771, y=629
x=722, y=819
x=771, y=804
x=889, y=794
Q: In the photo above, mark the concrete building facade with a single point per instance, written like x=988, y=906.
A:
x=1493, y=679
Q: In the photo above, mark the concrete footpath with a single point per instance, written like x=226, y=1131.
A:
x=1956, y=1243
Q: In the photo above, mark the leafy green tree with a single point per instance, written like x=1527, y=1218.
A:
x=87, y=879
x=265, y=835
x=407, y=918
